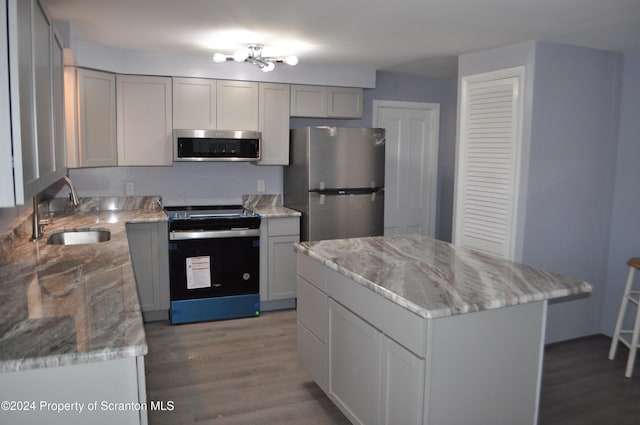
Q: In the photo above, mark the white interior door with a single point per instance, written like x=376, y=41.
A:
x=411, y=166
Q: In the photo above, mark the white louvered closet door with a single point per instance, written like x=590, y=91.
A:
x=487, y=180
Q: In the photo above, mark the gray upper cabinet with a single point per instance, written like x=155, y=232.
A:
x=57, y=74
x=23, y=117
x=326, y=102
x=144, y=118
x=95, y=116
x=33, y=85
x=237, y=105
x=194, y=103
x=8, y=183
x=344, y=102
x=273, y=120
x=308, y=101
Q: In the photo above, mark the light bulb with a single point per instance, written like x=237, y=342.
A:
x=268, y=67
x=291, y=60
x=240, y=55
x=219, y=58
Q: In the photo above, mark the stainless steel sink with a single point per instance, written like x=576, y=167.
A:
x=79, y=237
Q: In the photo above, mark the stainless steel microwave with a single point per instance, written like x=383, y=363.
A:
x=216, y=145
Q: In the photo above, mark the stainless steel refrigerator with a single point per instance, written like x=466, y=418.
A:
x=336, y=180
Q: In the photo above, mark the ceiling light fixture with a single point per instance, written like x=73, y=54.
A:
x=253, y=54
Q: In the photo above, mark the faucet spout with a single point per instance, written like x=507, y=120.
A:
x=74, y=194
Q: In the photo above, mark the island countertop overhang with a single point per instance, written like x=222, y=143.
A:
x=435, y=279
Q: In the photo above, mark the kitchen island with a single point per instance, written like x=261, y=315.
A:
x=410, y=330
x=72, y=339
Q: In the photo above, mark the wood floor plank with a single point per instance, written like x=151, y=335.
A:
x=245, y=371
x=242, y=371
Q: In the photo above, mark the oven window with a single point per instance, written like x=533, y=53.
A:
x=203, y=268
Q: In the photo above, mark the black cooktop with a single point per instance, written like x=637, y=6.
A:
x=211, y=217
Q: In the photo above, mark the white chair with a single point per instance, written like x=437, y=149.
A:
x=630, y=296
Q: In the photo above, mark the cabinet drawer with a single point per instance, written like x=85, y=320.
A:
x=399, y=324
x=312, y=271
x=313, y=357
x=312, y=309
x=283, y=226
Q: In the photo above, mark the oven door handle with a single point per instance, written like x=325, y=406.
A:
x=213, y=234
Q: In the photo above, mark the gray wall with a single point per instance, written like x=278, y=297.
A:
x=182, y=183
x=624, y=239
x=572, y=164
x=570, y=138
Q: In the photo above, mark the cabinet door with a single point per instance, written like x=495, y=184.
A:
x=344, y=102
x=273, y=121
x=144, y=120
x=355, y=349
x=282, y=267
x=194, y=103
x=237, y=105
x=403, y=384
x=42, y=39
x=23, y=98
x=7, y=182
x=308, y=101
x=486, y=187
x=58, y=105
x=149, y=250
x=71, y=116
x=96, y=119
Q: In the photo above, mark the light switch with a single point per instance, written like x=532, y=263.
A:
x=261, y=186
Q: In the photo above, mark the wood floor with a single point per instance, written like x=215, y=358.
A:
x=245, y=372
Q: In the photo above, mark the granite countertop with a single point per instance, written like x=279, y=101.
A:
x=268, y=206
x=62, y=305
x=434, y=279
x=277, y=211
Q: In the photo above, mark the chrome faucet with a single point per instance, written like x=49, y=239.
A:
x=37, y=223
x=73, y=196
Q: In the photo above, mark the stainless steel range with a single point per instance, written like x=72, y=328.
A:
x=214, y=261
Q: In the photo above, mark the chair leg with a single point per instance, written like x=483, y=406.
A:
x=621, y=313
x=634, y=345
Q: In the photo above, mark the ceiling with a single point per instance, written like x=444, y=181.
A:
x=414, y=37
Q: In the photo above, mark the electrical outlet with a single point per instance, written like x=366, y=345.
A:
x=261, y=186
x=129, y=188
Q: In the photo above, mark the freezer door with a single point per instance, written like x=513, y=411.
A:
x=345, y=157
x=344, y=216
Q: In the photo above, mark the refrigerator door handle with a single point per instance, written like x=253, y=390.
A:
x=346, y=191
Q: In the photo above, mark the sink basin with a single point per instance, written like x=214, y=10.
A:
x=79, y=237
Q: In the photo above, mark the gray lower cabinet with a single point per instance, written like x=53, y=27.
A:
x=101, y=393
x=149, y=248
x=355, y=356
x=384, y=365
x=278, y=262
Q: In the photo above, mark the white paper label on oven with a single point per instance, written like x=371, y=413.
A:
x=198, y=272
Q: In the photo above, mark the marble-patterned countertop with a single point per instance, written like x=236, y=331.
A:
x=62, y=305
x=268, y=206
x=434, y=279
x=277, y=211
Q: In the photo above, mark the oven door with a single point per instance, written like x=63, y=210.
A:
x=208, y=264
